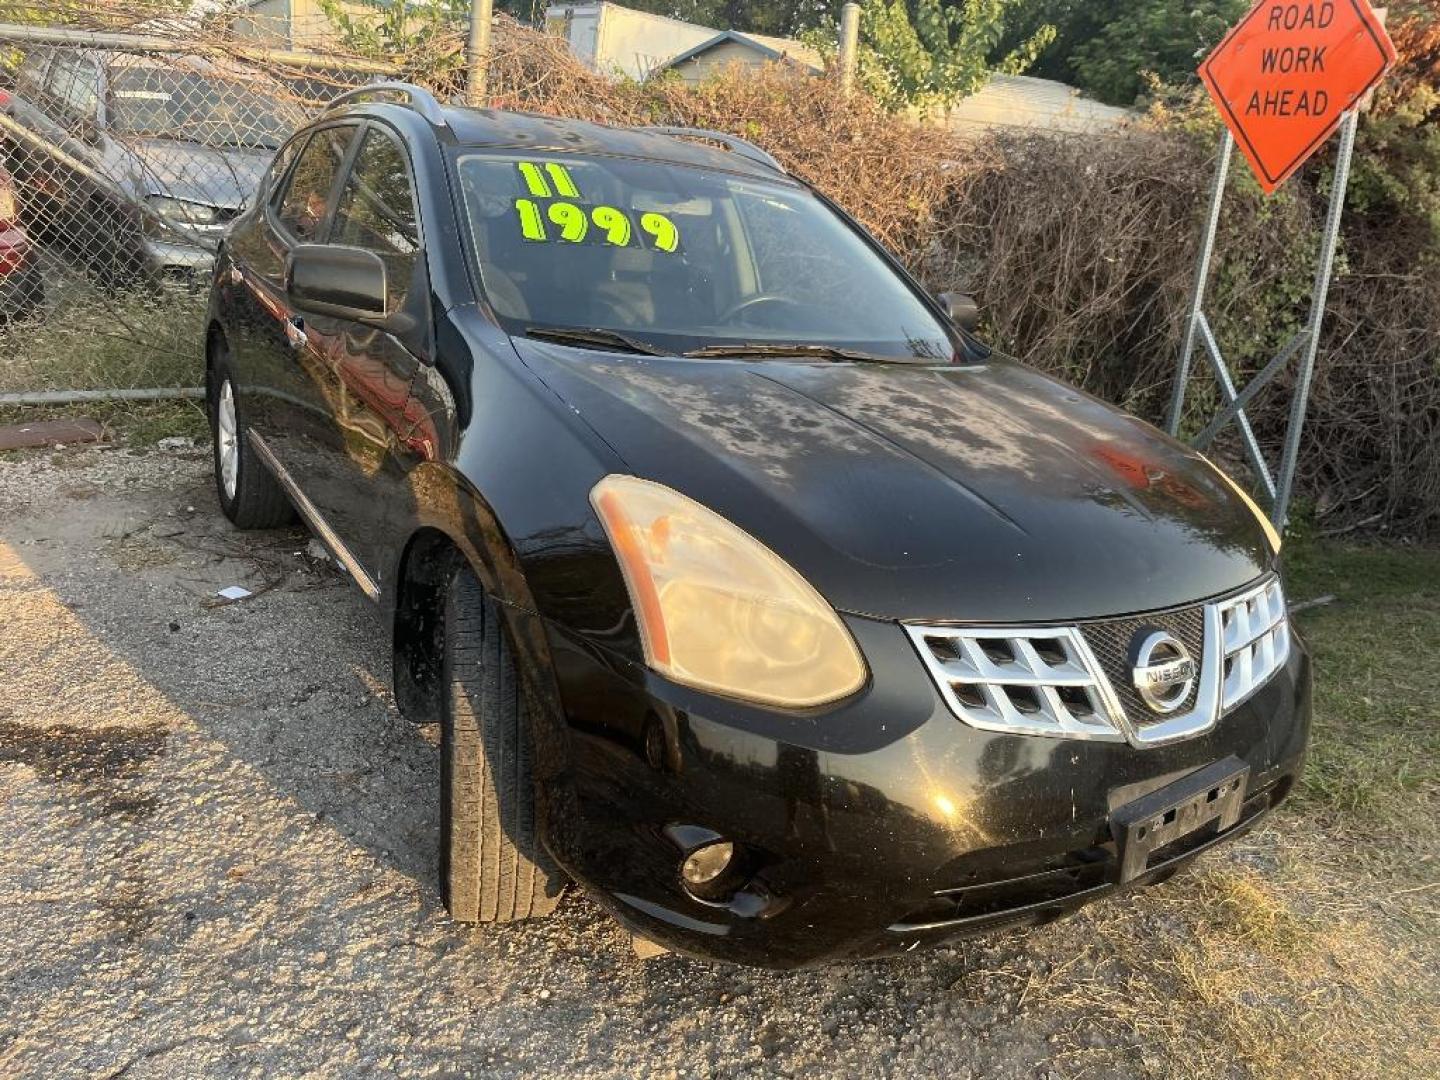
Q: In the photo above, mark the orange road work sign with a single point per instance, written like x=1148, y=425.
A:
x=1283, y=77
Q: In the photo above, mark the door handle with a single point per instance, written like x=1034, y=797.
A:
x=295, y=331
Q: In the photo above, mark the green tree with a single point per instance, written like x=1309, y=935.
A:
x=929, y=53
x=1166, y=37
x=403, y=33
x=1075, y=22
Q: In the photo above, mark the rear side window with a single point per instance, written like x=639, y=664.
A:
x=376, y=211
x=31, y=79
x=74, y=86
x=302, y=209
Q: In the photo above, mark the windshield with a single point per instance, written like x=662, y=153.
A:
x=682, y=259
x=193, y=107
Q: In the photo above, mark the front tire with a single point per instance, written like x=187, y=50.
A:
x=249, y=495
x=492, y=866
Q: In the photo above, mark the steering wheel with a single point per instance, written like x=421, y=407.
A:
x=756, y=301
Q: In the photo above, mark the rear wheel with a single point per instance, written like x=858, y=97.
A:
x=250, y=496
x=492, y=866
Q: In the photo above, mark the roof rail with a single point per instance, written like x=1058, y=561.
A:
x=416, y=97
x=733, y=143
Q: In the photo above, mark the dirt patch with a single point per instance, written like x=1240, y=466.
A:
x=219, y=837
x=94, y=762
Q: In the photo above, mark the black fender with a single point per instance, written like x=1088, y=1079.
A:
x=455, y=525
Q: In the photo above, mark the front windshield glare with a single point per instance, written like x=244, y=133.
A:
x=682, y=259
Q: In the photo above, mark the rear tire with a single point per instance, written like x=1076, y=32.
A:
x=249, y=494
x=492, y=866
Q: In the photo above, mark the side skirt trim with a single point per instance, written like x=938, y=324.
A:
x=318, y=525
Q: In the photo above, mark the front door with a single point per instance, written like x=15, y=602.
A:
x=356, y=475
x=283, y=379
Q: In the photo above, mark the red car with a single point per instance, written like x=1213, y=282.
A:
x=21, y=291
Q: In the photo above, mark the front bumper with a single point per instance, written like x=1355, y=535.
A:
x=170, y=256
x=873, y=828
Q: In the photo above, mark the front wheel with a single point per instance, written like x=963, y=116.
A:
x=492, y=866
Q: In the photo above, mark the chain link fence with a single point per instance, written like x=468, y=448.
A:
x=124, y=154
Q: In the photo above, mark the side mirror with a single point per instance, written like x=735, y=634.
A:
x=346, y=282
x=962, y=309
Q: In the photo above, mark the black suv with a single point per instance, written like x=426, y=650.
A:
x=749, y=590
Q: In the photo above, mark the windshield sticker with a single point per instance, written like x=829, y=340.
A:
x=532, y=227
x=667, y=236
x=559, y=177
x=573, y=222
x=534, y=179
x=613, y=226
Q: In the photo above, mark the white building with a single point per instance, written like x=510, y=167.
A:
x=617, y=40
x=292, y=24
x=1020, y=101
x=731, y=47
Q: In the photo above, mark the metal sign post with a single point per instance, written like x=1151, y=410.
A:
x=1284, y=79
x=1278, y=489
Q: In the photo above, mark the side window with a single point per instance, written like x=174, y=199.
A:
x=376, y=211
x=302, y=209
x=74, y=86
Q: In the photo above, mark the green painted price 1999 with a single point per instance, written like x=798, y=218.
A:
x=571, y=223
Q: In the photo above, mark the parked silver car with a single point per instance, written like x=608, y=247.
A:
x=145, y=158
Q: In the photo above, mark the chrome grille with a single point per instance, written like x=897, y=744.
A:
x=1257, y=640
x=1114, y=643
x=1028, y=680
x=1077, y=681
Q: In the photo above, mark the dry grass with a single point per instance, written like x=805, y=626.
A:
x=1313, y=945
x=90, y=341
x=1260, y=970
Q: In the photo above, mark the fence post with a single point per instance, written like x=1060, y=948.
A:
x=477, y=68
x=849, y=42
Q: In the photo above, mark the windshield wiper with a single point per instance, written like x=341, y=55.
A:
x=594, y=338
x=800, y=349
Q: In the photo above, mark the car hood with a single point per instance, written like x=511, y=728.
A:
x=216, y=176
x=987, y=493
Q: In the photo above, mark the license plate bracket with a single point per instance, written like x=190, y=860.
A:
x=1141, y=828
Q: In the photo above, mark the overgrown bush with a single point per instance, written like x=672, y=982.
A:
x=1082, y=253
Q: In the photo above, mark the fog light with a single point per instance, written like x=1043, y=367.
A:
x=707, y=863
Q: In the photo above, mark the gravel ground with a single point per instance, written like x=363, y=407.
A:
x=218, y=841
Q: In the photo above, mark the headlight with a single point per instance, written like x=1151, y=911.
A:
x=716, y=608
x=181, y=211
